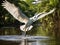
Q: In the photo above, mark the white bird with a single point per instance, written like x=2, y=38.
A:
x=17, y=14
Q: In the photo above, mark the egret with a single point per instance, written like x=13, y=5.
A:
x=21, y=17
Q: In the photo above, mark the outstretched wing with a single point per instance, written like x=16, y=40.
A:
x=41, y=15
x=15, y=12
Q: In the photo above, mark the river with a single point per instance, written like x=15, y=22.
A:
x=13, y=36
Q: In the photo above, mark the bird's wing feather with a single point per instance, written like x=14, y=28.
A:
x=15, y=12
x=41, y=15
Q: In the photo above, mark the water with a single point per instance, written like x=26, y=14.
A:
x=23, y=40
x=26, y=42
x=12, y=36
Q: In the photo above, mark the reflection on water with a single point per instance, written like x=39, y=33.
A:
x=37, y=42
x=27, y=42
x=20, y=40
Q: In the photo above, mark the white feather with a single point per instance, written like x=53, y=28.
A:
x=26, y=29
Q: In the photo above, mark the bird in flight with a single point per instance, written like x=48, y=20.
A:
x=21, y=17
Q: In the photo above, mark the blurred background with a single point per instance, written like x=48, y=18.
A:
x=47, y=26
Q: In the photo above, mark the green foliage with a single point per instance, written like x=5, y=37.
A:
x=54, y=2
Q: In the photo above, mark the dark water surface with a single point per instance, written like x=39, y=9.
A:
x=12, y=37
x=22, y=40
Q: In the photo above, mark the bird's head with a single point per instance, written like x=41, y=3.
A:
x=25, y=29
